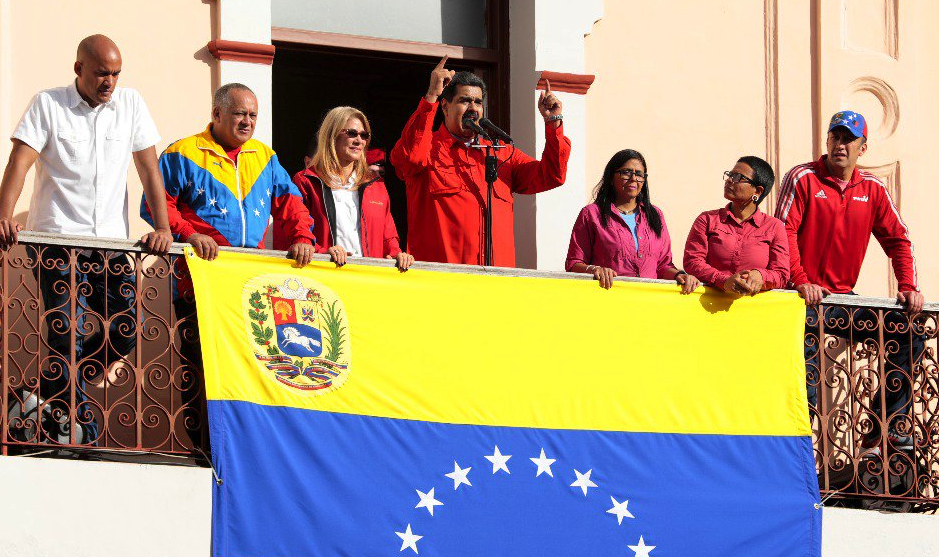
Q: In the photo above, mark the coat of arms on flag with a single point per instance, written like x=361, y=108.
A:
x=298, y=330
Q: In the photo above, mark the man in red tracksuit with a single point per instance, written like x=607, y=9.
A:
x=445, y=177
x=831, y=209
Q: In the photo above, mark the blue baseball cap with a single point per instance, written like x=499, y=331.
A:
x=854, y=122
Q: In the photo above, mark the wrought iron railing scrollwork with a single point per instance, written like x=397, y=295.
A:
x=95, y=353
x=876, y=417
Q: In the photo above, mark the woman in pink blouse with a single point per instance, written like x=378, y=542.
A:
x=738, y=248
x=622, y=233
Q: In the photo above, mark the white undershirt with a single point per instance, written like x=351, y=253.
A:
x=347, y=215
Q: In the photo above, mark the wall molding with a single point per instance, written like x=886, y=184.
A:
x=886, y=95
x=575, y=83
x=891, y=31
x=376, y=44
x=237, y=51
x=771, y=61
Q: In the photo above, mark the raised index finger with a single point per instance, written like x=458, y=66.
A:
x=547, y=87
x=442, y=61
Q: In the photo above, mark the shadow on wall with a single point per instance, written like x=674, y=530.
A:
x=203, y=54
x=463, y=23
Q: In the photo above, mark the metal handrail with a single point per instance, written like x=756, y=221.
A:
x=177, y=249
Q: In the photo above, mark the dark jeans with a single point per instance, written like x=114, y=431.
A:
x=902, y=348
x=105, y=331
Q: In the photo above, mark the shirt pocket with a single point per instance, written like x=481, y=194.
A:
x=75, y=144
x=722, y=241
x=446, y=179
x=116, y=146
x=759, y=243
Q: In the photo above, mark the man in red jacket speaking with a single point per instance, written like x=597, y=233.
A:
x=445, y=177
x=831, y=209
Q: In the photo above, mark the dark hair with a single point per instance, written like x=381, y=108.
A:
x=763, y=175
x=605, y=193
x=462, y=78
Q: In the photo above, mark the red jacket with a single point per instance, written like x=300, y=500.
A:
x=377, y=230
x=446, y=190
x=829, y=230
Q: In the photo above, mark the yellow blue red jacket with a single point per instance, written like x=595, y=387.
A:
x=208, y=193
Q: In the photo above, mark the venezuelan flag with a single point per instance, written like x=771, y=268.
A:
x=361, y=411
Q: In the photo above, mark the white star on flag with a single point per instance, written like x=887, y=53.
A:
x=619, y=509
x=262, y=203
x=583, y=481
x=498, y=461
x=642, y=550
x=427, y=500
x=212, y=201
x=199, y=191
x=409, y=539
x=459, y=475
x=257, y=213
x=268, y=192
x=544, y=464
x=224, y=211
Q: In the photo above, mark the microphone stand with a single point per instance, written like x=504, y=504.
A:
x=492, y=167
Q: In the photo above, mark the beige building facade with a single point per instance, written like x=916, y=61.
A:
x=695, y=85
x=692, y=85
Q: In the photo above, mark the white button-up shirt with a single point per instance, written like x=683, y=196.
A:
x=347, y=215
x=84, y=153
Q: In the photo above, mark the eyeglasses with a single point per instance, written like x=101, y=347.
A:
x=736, y=177
x=352, y=134
x=630, y=174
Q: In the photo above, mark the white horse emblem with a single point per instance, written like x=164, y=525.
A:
x=293, y=336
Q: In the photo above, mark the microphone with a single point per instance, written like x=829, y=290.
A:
x=470, y=124
x=487, y=123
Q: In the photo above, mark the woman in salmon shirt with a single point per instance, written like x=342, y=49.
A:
x=739, y=248
x=347, y=200
x=621, y=233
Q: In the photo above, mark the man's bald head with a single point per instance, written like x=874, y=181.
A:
x=97, y=47
x=97, y=65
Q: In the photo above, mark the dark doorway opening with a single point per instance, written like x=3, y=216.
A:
x=309, y=80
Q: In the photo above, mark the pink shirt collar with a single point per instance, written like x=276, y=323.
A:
x=758, y=217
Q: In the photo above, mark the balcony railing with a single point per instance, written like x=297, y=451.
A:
x=84, y=372
x=876, y=418
x=94, y=354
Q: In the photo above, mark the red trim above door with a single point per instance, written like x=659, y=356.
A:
x=567, y=82
x=255, y=53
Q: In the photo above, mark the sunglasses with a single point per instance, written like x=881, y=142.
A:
x=352, y=134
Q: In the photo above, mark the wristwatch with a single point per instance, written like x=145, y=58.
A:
x=554, y=118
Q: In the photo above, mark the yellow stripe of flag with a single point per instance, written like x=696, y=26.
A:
x=523, y=352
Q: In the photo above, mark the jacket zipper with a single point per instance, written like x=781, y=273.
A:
x=329, y=225
x=241, y=204
x=362, y=231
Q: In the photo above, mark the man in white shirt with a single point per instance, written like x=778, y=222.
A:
x=83, y=137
